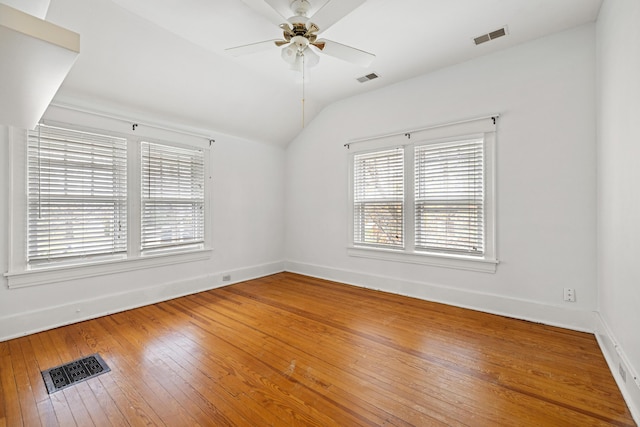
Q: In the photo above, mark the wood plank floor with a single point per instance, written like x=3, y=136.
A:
x=290, y=350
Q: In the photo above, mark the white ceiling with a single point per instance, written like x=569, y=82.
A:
x=167, y=58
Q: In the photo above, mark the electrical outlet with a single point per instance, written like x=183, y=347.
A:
x=570, y=294
x=623, y=373
x=226, y=278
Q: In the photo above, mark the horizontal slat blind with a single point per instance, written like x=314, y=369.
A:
x=77, y=188
x=449, y=197
x=172, y=196
x=379, y=198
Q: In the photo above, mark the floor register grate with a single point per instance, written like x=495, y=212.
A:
x=66, y=375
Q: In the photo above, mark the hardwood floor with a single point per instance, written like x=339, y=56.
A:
x=292, y=350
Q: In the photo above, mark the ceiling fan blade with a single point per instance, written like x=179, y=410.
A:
x=281, y=6
x=332, y=12
x=253, y=47
x=270, y=12
x=344, y=52
x=282, y=42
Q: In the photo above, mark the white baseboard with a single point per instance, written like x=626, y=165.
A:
x=52, y=317
x=586, y=321
x=616, y=357
x=579, y=320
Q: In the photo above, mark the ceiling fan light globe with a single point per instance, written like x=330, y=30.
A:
x=311, y=59
x=297, y=64
x=289, y=53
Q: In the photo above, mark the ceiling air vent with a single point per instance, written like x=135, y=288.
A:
x=490, y=36
x=368, y=77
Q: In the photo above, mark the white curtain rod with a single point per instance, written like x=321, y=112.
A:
x=371, y=138
x=134, y=123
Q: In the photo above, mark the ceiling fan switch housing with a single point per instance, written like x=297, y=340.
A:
x=300, y=7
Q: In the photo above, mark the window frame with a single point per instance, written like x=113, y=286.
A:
x=368, y=198
x=486, y=127
x=62, y=157
x=141, y=199
x=21, y=274
x=443, y=147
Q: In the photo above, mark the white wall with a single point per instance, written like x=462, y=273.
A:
x=546, y=180
x=618, y=41
x=248, y=240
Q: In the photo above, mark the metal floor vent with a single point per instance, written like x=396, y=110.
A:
x=67, y=375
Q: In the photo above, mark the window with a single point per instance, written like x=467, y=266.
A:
x=378, y=198
x=449, y=197
x=76, y=195
x=426, y=196
x=172, y=196
x=88, y=202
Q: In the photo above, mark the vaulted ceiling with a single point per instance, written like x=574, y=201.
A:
x=167, y=58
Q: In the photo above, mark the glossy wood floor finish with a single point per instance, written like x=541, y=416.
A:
x=290, y=350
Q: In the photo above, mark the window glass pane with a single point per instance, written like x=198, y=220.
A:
x=76, y=194
x=172, y=190
x=449, y=197
x=378, y=198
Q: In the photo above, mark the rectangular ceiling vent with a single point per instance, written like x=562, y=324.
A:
x=368, y=77
x=490, y=36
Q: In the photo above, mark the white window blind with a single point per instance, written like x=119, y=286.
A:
x=379, y=198
x=449, y=197
x=76, y=194
x=173, y=199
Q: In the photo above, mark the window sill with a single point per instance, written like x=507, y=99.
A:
x=70, y=272
x=457, y=262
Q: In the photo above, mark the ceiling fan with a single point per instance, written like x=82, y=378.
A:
x=300, y=33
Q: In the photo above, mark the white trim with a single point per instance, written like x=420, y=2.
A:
x=52, y=317
x=615, y=355
x=131, y=121
x=449, y=261
x=21, y=279
x=133, y=200
x=17, y=247
x=21, y=275
x=422, y=131
x=482, y=127
x=578, y=320
x=94, y=121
